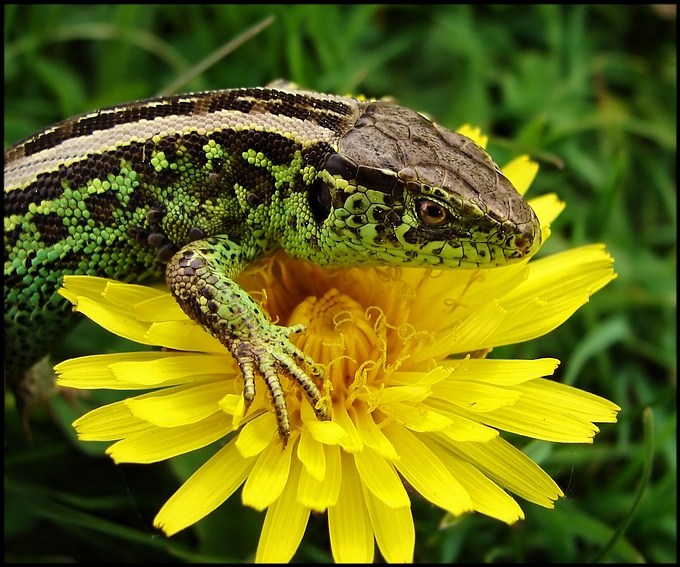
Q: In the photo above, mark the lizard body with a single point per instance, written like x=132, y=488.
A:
x=196, y=187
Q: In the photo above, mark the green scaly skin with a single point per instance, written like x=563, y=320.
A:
x=196, y=187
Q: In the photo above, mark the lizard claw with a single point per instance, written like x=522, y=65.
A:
x=268, y=355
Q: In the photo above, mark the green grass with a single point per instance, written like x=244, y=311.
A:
x=589, y=91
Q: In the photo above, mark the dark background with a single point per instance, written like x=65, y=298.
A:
x=588, y=91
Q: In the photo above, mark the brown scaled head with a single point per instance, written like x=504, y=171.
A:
x=421, y=194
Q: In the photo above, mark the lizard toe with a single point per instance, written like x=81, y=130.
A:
x=270, y=356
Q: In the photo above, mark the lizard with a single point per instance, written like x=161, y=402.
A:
x=195, y=187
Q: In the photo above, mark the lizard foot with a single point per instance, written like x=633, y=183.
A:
x=270, y=354
x=197, y=279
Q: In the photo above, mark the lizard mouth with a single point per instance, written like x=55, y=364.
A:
x=520, y=244
x=484, y=246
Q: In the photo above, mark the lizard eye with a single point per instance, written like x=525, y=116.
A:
x=431, y=213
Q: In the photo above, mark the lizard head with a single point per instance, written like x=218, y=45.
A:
x=401, y=188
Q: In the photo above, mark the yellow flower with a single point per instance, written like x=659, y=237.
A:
x=413, y=397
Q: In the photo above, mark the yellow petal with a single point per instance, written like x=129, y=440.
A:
x=256, y=435
x=476, y=396
x=380, y=478
x=495, y=371
x=124, y=295
x=284, y=525
x=510, y=468
x=240, y=409
x=311, y=455
x=321, y=494
x=162, y=308
x=158, y=443
x=547, y=208
x=418, y=417
x=349, y=525
x=182, y=335
x=113, y=319
x=485, y=284
x=467, y=317
x=351, y=442
x=90, y=372
x=108, y=423
x=579, y=403
x=393, y=528
x=405, y=393
x=88, y=286
x=477, y=331
x=462, y=428
x=325, y=432
x=410, y=378
x=179, y=405
x=553, y=412
x=521, y=172
x=169, y=368
x=487, y=497
x=370, y=434
x=268, y=477
x=205, y=490
x=425, y=472
x=557, y=286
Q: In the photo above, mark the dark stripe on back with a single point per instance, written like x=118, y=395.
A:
x=105, y=119
x=327, y=113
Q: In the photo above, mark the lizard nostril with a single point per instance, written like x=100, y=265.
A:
x=528, y=241
x=522, y=243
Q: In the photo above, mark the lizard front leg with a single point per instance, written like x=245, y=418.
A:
x=199, y=277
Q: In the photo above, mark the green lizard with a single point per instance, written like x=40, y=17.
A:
x=198, y=186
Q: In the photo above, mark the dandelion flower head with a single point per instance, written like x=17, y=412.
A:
x=415, y=400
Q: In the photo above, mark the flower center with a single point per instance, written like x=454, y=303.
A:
x=340, y=336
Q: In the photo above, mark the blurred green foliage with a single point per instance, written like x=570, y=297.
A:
x=589, y=91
